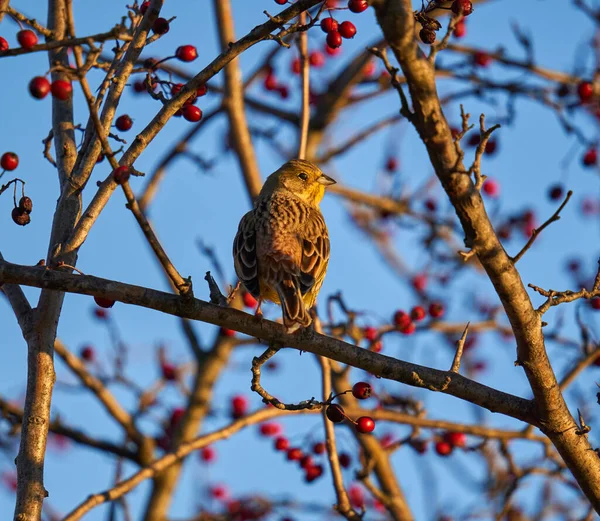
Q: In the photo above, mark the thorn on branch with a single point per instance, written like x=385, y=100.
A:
x=460, y=344
x=583, y=428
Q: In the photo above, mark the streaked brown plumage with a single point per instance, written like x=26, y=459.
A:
x=281, y=249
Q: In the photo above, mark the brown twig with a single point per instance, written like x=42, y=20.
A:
x=305, y=90
x=460, y=344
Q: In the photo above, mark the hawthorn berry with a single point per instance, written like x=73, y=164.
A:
x=313, y=472
x=296, y=66
x=347, y=30
x=121, y=174
x=427, y=35
x=169, y=372
x=335, y=413
x=281, y=2
x=27, y=38
x=20, y=217
x=456, y=439
x=161, y=26
x=430, y=204
x=9, y=161
x=249, y=300
x=417, y=313
x=419, y=445
x=401, y=319
x=306, y=461
x=443, y=448
x=226, y=332
x=365, y=424
x=39, y=87
x=239, y=406
x=585, y=91
x=100, y=314
x=270, y=429
x=391, y=164
x=3, y=44
x=409, y=328
x=482, y=59
x=191, y=113
x=357, y=6
x=419, y=282
x=208, y=454
x=219, y=492
x=331, y=51
x=316, y=59
x=491, y=188
x=61, y=89
x=270, y=82
x=186, y=53
x=282, y=443
x=356, y=496
x=329, y=25
x=370, y=333
x=595, y=303
x=436, y=310
x=201, y=90
x=319, y=447
x=334, y=39
x=460, y=29
x=464, y=7
x=26, y=204
x=556, y=192
x=345, y=460
x=362, y=390
x=491, y=146
x=294, y=454
x=590, y=158
x=87, y=353
x=124, y=123
x=104, y=302
x=139, y=87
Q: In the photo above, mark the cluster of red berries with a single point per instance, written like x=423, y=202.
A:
x=40, y=87
x=448, y=441
x=189, y=111
x=524, y=221
x=336, y=414
x=406, y=322
x=336, y=32
x=27, y=40
x=312, y=470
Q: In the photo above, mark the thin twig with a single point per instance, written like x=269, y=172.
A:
x=305, y=90
x=460, y=344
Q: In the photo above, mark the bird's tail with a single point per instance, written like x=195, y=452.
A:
x=295, y=313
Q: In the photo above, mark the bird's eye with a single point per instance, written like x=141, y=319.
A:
x=303, y=176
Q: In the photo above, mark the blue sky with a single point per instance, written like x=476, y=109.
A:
x=195, y=205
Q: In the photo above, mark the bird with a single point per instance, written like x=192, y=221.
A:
x=281, y=249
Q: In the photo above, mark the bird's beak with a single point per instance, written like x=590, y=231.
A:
x=326, y=180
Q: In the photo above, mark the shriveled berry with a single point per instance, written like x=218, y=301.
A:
x=335, y=413
x=121, y=174
x=419, y=445
x=61, y=89
x=464, y=7
x=357, y=6
x=27, y=38
x=191, y=113
x=124, y=123
x=427, y=35
x=595, y=303
x=328, y=25
x=169, y=372
x=20, y=217
x=347, y=30
x=26, y=204
x=362, y=390
x=9, y=161
x=365, y=424
x=104, y=302
x=186, y=53
x=334, y=39
x=161, y=26
x=39, y=87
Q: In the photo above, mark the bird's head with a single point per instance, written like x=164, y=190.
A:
x=302, y=178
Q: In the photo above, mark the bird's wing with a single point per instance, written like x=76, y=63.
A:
x=315, y=252
x=244, y=254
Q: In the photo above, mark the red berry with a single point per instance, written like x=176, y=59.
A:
x=408, y=329
x=585, y=90
x=460, y=29
x=186, y=53
x=284, y=92
x=191, y=113
x=443, y=448
x=219, y=492
x=124, y=123
x=282, y=443
x=169, y=371
x=362, y=390
x=39, y=87
x=144, y=7
x=104, y=302
x=430, y=204
x=391, y=164
x=464, y=7
x=3, y=44
x=316, y=59
x=345, y=460
x=419, y=282
x=491, y=188
x=365, y=424
x=100, y=313
x=121, y=174
x=456, y=439
x=208, y=454
x=270, y=429
x=356, y=496
x=281, y=2
x=160, y=26
x=357, y=6
x=330, y=51
x=419, y=445
x=239, y=406
x=370, y=333
x=87, y=353
x=377, y=346
x=201, y=90
x=294, y=454
x=319, y=447
x=61, y=89
x=306, y=461
x=227, y=332
x=328, y=25
x=595, y=303
x=474, y=139
x=270, y=82
x=27, y=39
x=9, y=161
x=427, y=35
x=296, y=66
x=334, y=39
x=139, y=87
x=417, y=313
x=347, y=30
x=401, y=319
x=436, y=310
x=335, y=413
x=556, y=192
x=590, y=158
x=313, y=472
x=249, y=300
x=482, y=59
x=491, y=146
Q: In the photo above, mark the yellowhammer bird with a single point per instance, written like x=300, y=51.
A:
x=281, y=249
